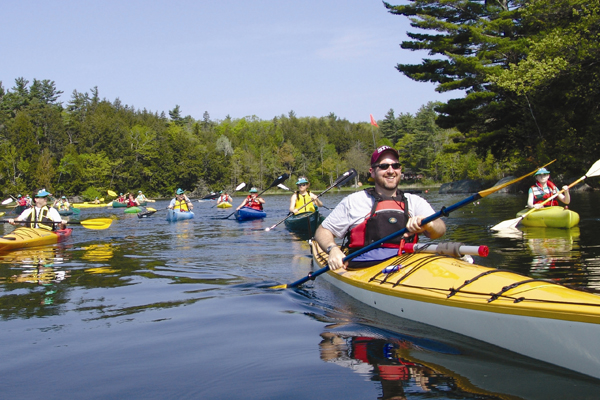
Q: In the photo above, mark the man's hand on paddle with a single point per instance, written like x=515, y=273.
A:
x=432, y=230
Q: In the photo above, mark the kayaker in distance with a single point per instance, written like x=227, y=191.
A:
x=371, y=214
x=62, y=204
x=41, y=216
x=121, y=198
x=302, y=197
x=224, y=198
x=181, y=202
x=141, y=198
x=252, y=201
x=544, y=189
x=131, y=202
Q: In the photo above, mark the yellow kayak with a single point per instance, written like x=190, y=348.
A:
x=224, y=205
x=550, y=217
x=29, y=237
x=90, y=205
x=534, y=317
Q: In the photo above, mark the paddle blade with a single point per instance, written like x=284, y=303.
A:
x=508, y=224
x=240, y=186
x=279, y=287
x=594, y=170
x=96, y=223
x=7, y=201
x=280, y=179
x=282, y=186
x=111, y=193
x=345, y=178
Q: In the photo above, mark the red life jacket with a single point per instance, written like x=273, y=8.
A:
x=539, y=195
x=253, y=203
x=386, y=217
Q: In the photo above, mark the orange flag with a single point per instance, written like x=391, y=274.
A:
x=373, y=122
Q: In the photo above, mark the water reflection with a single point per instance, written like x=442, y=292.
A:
x=408, y=366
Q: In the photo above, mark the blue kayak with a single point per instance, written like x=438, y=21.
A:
x=173, y=215
x=247, y=213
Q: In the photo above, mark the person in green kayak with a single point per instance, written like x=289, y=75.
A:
x=302, y=197
x=141, y=198
x=62, y=204
x=544, y=189
x=368, y=215
x=181, y=202
x=41, y=216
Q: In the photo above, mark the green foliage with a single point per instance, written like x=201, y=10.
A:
x=528, y=71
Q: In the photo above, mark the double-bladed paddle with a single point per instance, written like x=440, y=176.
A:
x=95, y=223
x=277, y=181
x=111, y=193
x=512, y=223
x=340, y=181
x=445, y=211
x=7, y=201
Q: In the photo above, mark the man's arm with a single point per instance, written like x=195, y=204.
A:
x=325, y=239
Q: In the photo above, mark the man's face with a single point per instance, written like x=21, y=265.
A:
x=41, y=201
x=386, y=178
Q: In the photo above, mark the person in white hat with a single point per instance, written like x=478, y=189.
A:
x=366, y=216
x=544, y=189
x=302, y=197
x=41, y=216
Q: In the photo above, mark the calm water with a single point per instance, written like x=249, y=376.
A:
x=156, y=310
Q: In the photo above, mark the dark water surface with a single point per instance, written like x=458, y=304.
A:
x=156, y=310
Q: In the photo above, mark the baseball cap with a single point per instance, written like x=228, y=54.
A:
x=380, y=150
x=42, y=193
x=180, y=191
x=541, y=171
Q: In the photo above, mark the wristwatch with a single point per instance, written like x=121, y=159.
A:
x=328, y=250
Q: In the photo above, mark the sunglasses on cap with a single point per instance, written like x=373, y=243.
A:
x=385, y=166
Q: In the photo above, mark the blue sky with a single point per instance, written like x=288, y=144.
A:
x=227, y=57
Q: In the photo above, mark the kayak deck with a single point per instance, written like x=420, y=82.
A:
x=550, y=217
x=29, y=237
x=537, y=318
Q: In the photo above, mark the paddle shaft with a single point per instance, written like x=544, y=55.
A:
x=445, y=211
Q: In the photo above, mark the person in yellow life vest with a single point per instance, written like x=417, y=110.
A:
x=181, y=202
x=62, y=204
x=41, y=216
x=302, y=197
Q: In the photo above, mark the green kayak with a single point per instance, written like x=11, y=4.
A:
x=133, y=210
x=306, y=222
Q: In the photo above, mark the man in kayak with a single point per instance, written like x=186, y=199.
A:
x=223, y=198
x=371, y=214
x=252, y=201
x=41, y=216
x=302, y=197
x=181, y=202
x=544, y=189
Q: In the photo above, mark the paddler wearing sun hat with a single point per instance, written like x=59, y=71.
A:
x=302, y=197
x=41, y=216
x=544, y=189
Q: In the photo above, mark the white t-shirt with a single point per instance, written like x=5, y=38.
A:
x=52, y=214
x=353, y=209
